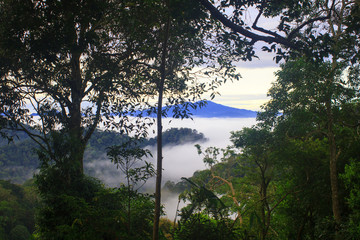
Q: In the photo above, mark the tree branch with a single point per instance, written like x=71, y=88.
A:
x=260, y=29
x=296, y=30
x=33, y=136
x=97, y=118
x=232, y=196
x=241, y=30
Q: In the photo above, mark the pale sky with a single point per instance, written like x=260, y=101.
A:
x=250, y=92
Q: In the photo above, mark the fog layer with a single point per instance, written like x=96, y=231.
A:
x=181, y=160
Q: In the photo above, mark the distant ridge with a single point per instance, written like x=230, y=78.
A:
x=210, y=110
x=215, y=110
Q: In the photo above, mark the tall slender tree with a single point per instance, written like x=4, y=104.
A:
x=184, y=40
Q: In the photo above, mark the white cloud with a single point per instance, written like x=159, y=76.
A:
x=250, y=92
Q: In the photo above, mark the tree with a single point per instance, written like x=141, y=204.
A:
x=257, y=148
x=314, y=96
x=183, y=43
x=299, y=25
x=301, y=167
x=70, y=62
x=301, y=30
x=75, y=62
x=127, y=158
x=220, y=177
x=246, y=178
x=201, y=226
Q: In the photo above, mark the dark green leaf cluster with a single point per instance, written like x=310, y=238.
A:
x=85, y=209
x=17, y=210
x=352, y=182
x=178, y=136
x=201, y=226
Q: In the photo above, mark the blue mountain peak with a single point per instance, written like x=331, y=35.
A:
x=215, y=110
x=208, y=110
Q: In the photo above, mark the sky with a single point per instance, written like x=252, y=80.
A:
x=250, y=92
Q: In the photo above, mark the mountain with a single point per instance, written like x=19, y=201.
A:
x=208, y=110
x=215, y=110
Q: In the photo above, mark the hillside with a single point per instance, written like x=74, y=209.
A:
x=215, y=110
x=18, y=159
x=209, y=110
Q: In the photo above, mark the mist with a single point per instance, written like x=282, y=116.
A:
x=183, y=161
x=180, y=160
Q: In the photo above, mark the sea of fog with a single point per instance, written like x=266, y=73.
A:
x=181, y=160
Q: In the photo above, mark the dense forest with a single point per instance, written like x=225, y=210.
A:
x=19, y=161
x=71, y=67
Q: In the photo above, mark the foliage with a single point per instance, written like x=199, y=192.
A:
x=244, y=176
x=17, y=210
x=279, y=179
x=64, y=55
x=127, y=158
x=65, y=204
x=112, y=207
x=201, y=226
x=307, y=111
x=302, y=167
x=301, y=91
x=88, y=210
x=178, y=136
x=202, y=200
x=166, y=228
x=352, y=182
x=20, y=232
x=318, y=29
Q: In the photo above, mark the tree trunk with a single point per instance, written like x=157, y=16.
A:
x=75, y=129
x=333, y=155
x=158, y=170
x=333, y=167
x=264, y=213
x=159, y=133
x=337, y=30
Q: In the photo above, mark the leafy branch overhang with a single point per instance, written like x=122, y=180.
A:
x=269, y=36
